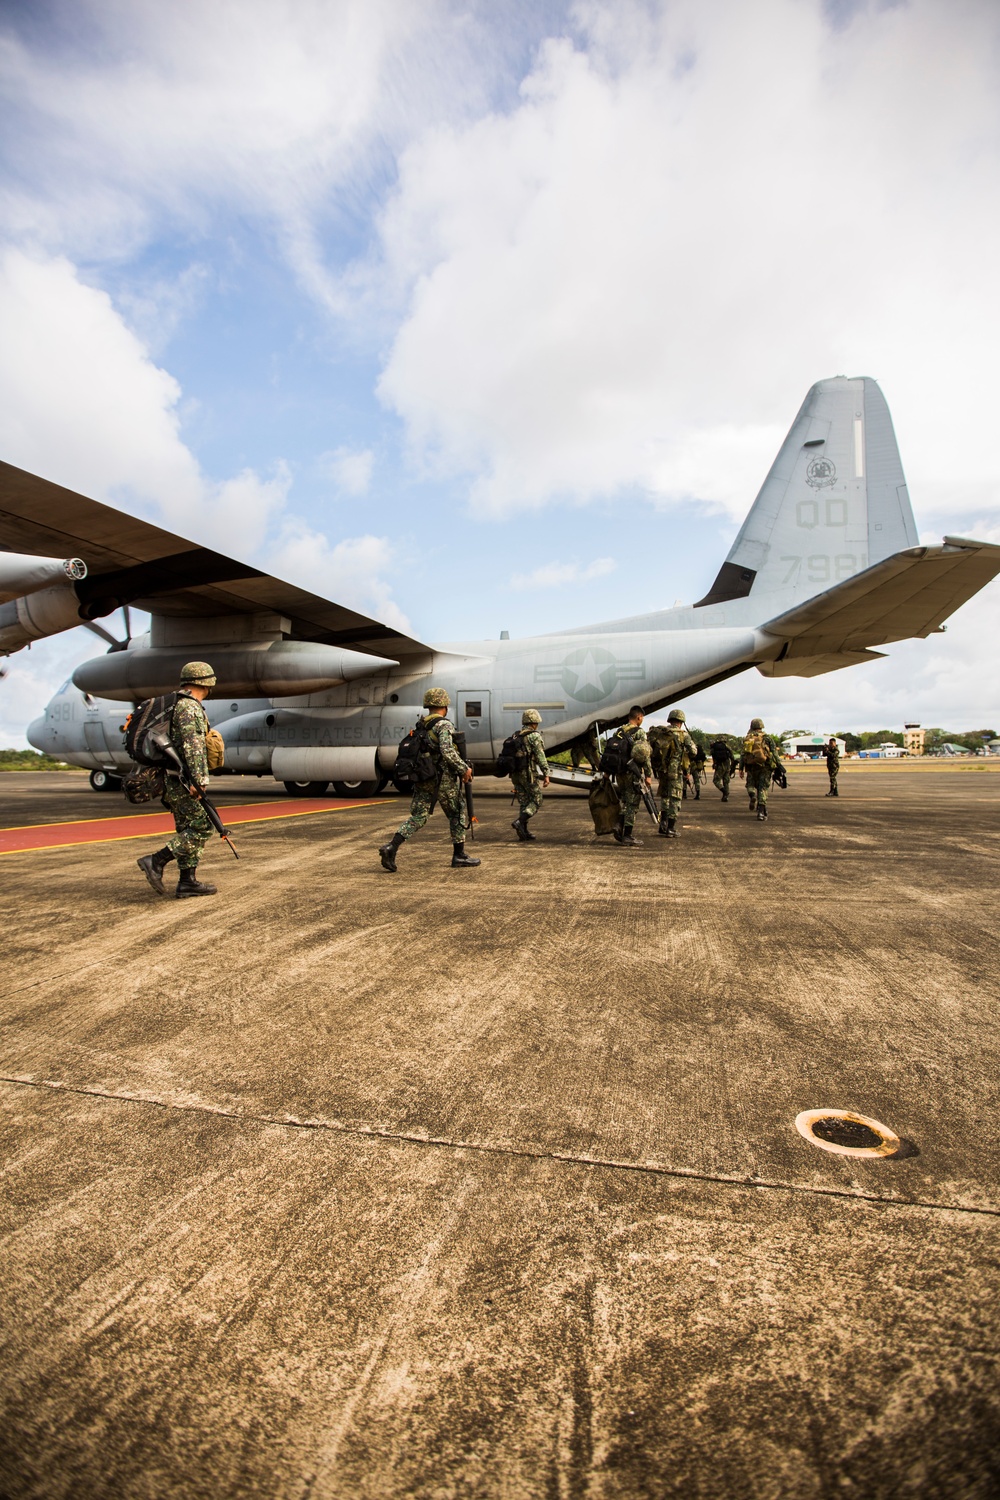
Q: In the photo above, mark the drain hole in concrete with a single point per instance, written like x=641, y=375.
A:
x=846, y=1133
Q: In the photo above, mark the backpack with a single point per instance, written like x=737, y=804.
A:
x=513, y=756
x=145, y=784
x=616, y=755
x=719, y=752
x=416, y=760
x=755, y=751
x=147, y=728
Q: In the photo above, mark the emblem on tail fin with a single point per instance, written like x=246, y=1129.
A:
x=821, y=472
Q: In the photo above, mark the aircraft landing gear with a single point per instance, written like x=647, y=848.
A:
x=356, y=788
x=104, y=781
x=306, y=788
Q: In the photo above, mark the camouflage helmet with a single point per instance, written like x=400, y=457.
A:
x=756, y=723
x=436, y=698
x=197, y=674
x=531, y=716
x=677, y=716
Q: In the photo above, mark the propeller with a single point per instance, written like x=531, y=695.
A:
x=105, y=635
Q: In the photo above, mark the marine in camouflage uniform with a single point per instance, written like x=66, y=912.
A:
x=584, y=748
x=697, y=766
x=672, y=749
x=637, y=775
x=758, y=777
x=187, y=731
x=723, y=766
x=445, y=788
x=832, y=753
x=529, y=783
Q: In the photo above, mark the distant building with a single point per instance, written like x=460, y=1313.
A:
x=913, y=739
x=812, y=745
x=950, y=748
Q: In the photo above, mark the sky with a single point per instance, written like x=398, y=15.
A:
x=492, y=315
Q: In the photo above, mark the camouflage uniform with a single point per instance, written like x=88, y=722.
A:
x=632, y=782
x=832, y=766
x=697, y=765
x=584, y=748
x=528, y=783
x=447, y=789
x=759, y=777
x=188, y=727
x=672, y=748
x=186, y=730
x=723, y=765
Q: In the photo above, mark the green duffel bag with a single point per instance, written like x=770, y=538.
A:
x=605, y=808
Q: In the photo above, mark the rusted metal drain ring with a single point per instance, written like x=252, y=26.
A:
x=846, y=1133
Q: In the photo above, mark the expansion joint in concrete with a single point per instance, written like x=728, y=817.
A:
x=486, y=1148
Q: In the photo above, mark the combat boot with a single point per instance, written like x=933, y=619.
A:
x=531, y=837
x=627, y=838
x=153, y=866
x=461, y=860
x=762, y=815
x=725, y=796
x=672, y=829
x=618, y=832
x=753, y=804
x=663, y=829
x=190, y=885
x=520, y=827
x=387, y=853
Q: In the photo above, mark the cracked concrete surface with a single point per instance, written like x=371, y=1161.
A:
x=549, y=1229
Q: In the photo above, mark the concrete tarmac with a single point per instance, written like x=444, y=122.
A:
x=486, y=1182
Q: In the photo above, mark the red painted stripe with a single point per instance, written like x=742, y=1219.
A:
x=149, y=825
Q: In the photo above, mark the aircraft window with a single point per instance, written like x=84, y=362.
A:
x=393, y=697
x=473, y=710
x=64, y=686
x=234, y=708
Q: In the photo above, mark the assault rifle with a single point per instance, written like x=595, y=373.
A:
x=649, y=802
x=169, y=752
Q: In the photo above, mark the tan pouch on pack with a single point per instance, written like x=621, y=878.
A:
x=215, y=750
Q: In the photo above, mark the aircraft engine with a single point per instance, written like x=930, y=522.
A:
x=44, y=613
x=23, y=574
x=284, y=669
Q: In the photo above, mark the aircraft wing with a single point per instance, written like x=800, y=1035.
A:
x=908, y=594
x=133, y=562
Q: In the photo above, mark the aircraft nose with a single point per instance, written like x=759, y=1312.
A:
x=36, y=733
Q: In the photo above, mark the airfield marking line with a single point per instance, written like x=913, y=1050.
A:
x=145, y=825
x=368, y=1132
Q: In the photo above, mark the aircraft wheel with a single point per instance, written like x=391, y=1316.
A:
x=103, y=781
x=305, y=788
x=355, y=788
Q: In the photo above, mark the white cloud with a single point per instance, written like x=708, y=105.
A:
x=632, y=277
x=555, y=574
x=82, y=403
x=351, y=471
x=151, y=115
x=350, y=571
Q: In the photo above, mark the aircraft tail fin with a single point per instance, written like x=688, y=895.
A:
x=834, y=503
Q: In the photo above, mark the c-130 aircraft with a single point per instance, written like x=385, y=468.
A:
x=825, y=569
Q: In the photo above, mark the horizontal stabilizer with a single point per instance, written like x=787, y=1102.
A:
x=908, y=594
x=815, y=666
